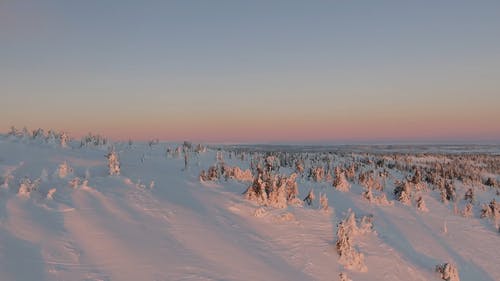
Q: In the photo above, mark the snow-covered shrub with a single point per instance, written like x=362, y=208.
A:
x=469, y=195
x=343, y=277
x=113, y=163
x=467, y=211
x=310, y=197
x=64, y=170
x=421, y=204
x=74, y=183
x=212, y=174
x=490, y=182
x=340, y=183
x=26, y=186
x=491, y=210
x=351, y=172
x=299, y=167
x=368, y=181
x=448, y=272
x=450, y=191
x=260, y=212
x=50, y=194
x=368, y=195
x=6, y=179
x=237, y=173
x=323, y=202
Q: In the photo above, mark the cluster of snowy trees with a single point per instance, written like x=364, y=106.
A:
x=273, y=190
x=40, y=136
x=347, y=229
x=94, y=140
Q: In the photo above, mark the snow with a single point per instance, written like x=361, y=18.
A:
x=156, y=220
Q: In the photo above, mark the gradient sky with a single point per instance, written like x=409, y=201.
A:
x=253, y=71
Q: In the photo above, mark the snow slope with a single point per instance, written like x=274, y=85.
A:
x=157, y=221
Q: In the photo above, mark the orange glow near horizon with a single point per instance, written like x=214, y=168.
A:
x=242, y=129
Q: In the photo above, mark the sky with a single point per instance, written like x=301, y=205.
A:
x=253, y=71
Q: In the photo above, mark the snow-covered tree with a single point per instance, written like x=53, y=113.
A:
x=467, y=211
x=348, y=255
x=490, y=210
x=64, y=170
x=340, y=183
x=310, y=197
x=469, y=195
x=402, y=192
x=26, y=186
x=421, y=204
x=113, y=163
x=343, y=277
x=448, y=272
x=323, y=202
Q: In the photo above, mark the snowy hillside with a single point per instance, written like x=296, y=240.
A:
x=64, y=217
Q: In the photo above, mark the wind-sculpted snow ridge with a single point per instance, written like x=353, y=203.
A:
x=165, y=211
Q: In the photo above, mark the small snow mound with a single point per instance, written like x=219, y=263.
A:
x=285, y=217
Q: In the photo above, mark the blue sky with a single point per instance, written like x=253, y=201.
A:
x=253, y=70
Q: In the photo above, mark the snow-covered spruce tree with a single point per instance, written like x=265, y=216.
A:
x=467, y=211
x=367, y=194
x=13, y=132
x=469, y=195
x=450, y=191
x=490, y=182
x=349, y=256
x=351, y=172
x=448, y=272
x=63, y=140
x=402, y=192
x=64, y=170
x=421, y=204
x=340, y=183
x=38, y=134
x=442, y=195
x=277, y=197
x=257, y=191
x=417, y=181
x=317, y=174
x=299, y=167
x=323, y=202
x=113, y=163
x=310, y=197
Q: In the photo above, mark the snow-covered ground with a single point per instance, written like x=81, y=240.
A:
x=158, y=221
